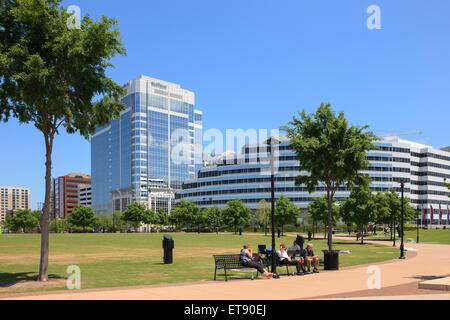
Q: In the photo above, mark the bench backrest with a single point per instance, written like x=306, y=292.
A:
x=230, y=260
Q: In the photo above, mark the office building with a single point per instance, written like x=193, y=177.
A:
x=65, y=193
x=13, y=199
x=247, y=176
x=147, y=154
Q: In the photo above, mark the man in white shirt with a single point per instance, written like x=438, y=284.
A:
x=284, y=259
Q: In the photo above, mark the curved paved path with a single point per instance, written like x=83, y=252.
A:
x=430, y=260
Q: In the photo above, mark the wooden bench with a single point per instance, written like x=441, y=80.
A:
x=230, y=262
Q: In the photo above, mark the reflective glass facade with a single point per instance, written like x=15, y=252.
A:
x=150, y=151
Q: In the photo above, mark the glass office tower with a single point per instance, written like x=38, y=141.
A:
x=147, y=154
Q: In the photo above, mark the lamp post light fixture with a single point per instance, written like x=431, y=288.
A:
x=271, y=142
x=402, y=248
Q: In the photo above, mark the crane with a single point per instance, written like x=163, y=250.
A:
x=398, y=134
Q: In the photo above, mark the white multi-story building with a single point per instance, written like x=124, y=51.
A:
x=422, y=167
x=84, y=195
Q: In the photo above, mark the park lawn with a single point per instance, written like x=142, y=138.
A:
x=436, y=236
x=114, y=260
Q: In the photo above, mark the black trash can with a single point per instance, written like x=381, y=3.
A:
x=168, y=245
x=240, y=232
x=331, y=259
x=309, y=235
x=279, y=233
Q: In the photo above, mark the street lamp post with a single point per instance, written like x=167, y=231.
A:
x=418, y=224
x=402, y=248
x=271, y=142
x=393, y=227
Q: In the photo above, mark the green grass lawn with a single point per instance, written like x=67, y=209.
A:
x=435, y=236
x=112, y=260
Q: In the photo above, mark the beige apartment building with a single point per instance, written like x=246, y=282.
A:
x=12, y=199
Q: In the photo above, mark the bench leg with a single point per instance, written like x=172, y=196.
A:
x=226, y=279
x=215, y=273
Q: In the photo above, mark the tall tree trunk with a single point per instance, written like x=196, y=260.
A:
x=43, y=265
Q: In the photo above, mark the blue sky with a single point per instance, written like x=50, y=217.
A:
x=253, y=64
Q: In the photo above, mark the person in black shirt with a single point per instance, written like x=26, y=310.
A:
x=309, y=257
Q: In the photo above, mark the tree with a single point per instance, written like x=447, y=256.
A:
x=161, y=217
x=382, y=212
x=214, y=217
x=134, y=215
x=185, y=213
x=118, y=223
x=360, y=208
x=51, y=73
x=149, y=217
x=330, y=151
x=83, y=217
x=105, y=221
x=318, y=211
x=236, y=214
x=285, y=212
x=199, y=218
x=262, y=214
x=59, y=225
x=395, y=209
x=23, y=220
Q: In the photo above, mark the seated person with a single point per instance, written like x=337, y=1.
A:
x=309, y=257
x=248, y=261
x=297, y=249
x=285, y=260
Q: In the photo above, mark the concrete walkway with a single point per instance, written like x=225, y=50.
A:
x=428, y=262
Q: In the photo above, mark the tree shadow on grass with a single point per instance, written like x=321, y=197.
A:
x=10, y=279
x=349, y=243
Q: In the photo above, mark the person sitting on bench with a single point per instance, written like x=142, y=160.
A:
x=248, y=261
x=308, y=256
x=285, y=260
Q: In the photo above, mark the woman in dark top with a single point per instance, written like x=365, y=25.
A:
x=247, y=261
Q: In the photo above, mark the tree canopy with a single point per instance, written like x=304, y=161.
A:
x=135, y=214
x=186, y=213
x=23, y=220
x=360, y=208
x=236, y=214
x=330, y=151
x=82, y=216
x=285, y=212
x=51, y=74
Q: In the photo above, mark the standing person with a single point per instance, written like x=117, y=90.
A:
x=247, y=260
x=309, y=257
x=285, y=260
x=300, y=241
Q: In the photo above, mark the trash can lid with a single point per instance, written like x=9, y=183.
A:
x=167, y=237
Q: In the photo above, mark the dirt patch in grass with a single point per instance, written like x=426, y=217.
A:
x=31, y=284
